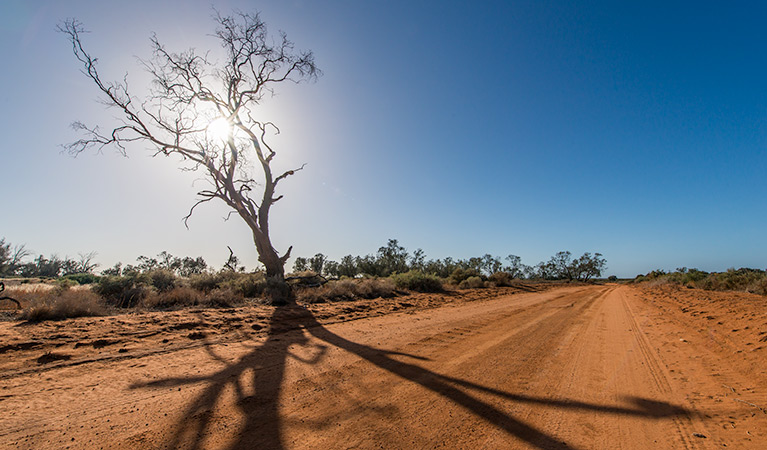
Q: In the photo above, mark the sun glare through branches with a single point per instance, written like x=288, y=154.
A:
x=220, y=129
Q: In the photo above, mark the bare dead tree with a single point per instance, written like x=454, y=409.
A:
x=85, y=262
x=233, y=263
x=188, y=94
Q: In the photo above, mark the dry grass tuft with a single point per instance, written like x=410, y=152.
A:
x=501, y=279
x=58, y=304
x=348, y=289
x=181, y=297
x=376, y=288
x=174, y=298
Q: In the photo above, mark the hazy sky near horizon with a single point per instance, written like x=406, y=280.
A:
x=463, y=128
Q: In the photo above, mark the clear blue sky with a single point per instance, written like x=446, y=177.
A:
x=638, y=131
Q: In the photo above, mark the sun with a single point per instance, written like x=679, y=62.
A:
x=220, y=129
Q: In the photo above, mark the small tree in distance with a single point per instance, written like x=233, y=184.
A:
x=206, y=114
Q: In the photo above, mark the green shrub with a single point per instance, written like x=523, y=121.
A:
x=743, y=279
x=57, y=304
x=206, y=282
x=66, y=283
x=417, y=281
x=123, y=291
x=161, y=279
x=460, y=275
x=471, y=283
x=83, y=278
x=250, y=285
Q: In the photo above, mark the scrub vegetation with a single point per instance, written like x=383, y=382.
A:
x=56, y=288
x=743, y=279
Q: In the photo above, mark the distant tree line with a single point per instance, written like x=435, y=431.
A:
x=390, y=259
x=12, y=263
x=185, y=267
x=394, y=258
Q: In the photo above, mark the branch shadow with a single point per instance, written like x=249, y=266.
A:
x=264, y=368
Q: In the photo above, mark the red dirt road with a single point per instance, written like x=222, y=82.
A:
x=575, y=367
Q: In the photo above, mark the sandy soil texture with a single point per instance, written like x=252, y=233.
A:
x=574, y=367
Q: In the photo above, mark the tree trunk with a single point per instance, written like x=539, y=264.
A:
x=277, y=291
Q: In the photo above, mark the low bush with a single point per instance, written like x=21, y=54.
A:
x=348, y=289
x=331, y=291
x=277, y=292
x=82, y=278
x=174, y=298
x=206, y=282
x=184, y=296
x=417, y=281
x=459, y=275
x=375, y=288
x=250, y=285
x=123, y=291
x=471, y=283
x=501, y=279
x=743, y=279
x=161, y=279
x=224, y=298
x=66, y=283
x=57, y=304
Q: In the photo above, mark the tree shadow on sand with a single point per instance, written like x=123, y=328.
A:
x=263, y=368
